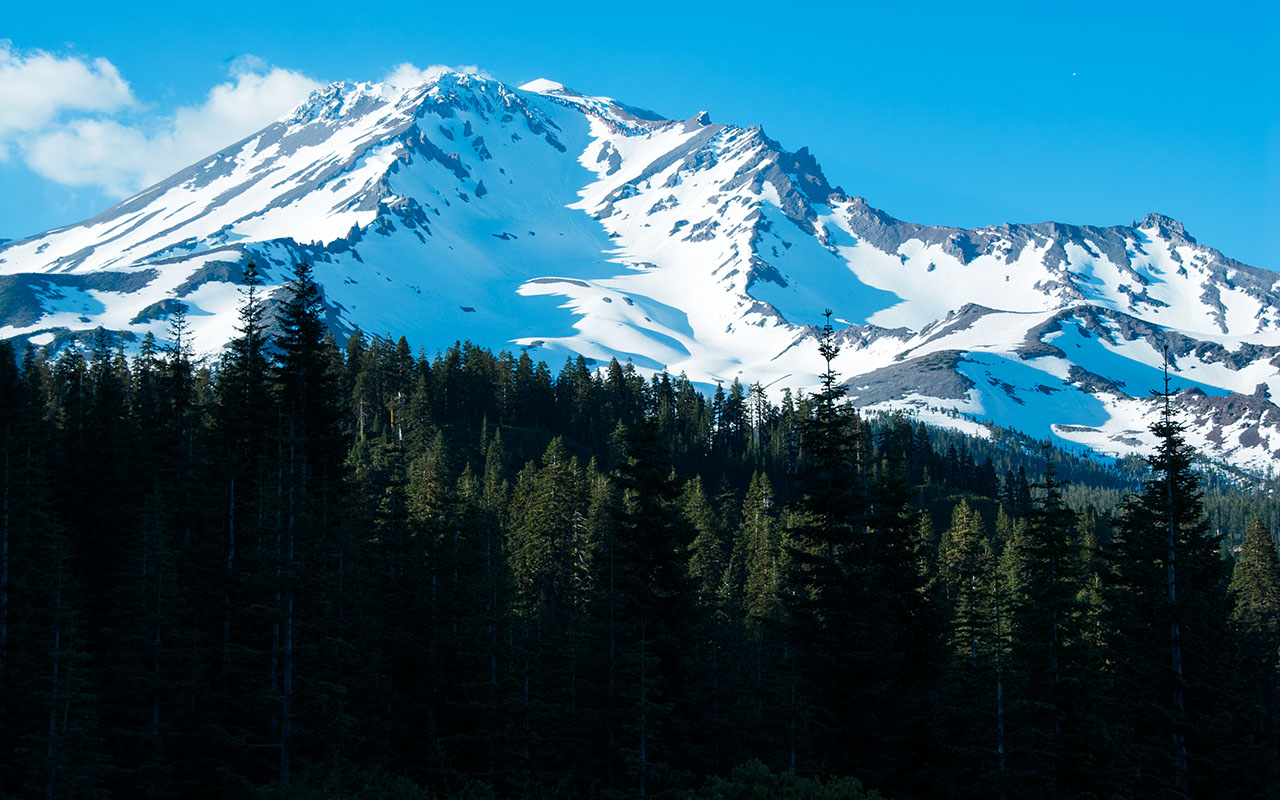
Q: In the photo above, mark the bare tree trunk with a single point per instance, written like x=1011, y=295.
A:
x=286, y=698
x=528, y=724
x=4, y=597
x=51, y=751
x=715, y=703
x=187, y=470
x=613, y=669
x=491, y=571
x=791, y=723
x=644, y=707
x=228, y=577
x=1000, y=735
x=1180, y=778
x=278, y=605
x=1055, y=729
x=156, y=640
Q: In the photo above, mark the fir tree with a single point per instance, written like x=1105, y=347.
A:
x=1170, y=616
x=548, y=551
x=974, y=690
x=1255, y=618
x=310, y=448
x=1039, y=565
x=654, y=606
x=828, y=629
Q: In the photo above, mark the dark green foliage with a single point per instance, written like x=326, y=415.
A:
x=1255, y=619
x=755, y=780
x=1040, y=583
x=1255, y=594
x=829, y=624
x=973, y=685
x=1169, y=609
x=652, y=608
x=306, y=571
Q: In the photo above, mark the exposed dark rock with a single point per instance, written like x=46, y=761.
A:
x=221, y=271
x=702, y=231
x=20, y=294
x=159, y=310
x=1094, y=383
x=762, y=270
x=934, y=375
x=571, y=281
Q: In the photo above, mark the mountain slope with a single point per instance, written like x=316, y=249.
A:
x=541, y=218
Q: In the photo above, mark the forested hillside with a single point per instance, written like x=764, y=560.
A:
x=306, y=572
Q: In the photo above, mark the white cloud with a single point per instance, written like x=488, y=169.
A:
x=90, y=152
x=231, y=112
x=406, y=75
x=36, y=88
x=76, y=121
x=123, y=158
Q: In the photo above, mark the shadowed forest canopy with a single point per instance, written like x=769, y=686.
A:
x=305, y=571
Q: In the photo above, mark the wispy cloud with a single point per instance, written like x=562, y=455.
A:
x=405, y=75
x=78, y=123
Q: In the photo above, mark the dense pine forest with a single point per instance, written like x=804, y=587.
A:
x=304, y=571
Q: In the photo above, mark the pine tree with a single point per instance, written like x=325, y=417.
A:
x=495, y=586
x=711, y=569
x=604, y=611
x=763, y=554
x=1091, y=747
x=975, y=719
x=154, y=643
x=310, y=474
x=1255, y=619
x=244, y=375
x=62, y=749
x=298, y=577
x=469, y=736
x=1040, y=572
x=903, y=632
x=242, y=419
x=1170, y=617
x=548, y=546
x=654, y=610
x=828, y=628
x=417, y=606
x=11, y=404
x=765, y=566
x=967, y=566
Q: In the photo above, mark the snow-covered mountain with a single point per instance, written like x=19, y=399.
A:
x=540, y=218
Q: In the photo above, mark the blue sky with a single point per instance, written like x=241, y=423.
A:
x=958, y=114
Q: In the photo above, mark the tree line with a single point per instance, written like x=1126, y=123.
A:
x=307, y=571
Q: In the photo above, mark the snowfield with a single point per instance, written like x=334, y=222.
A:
x=539, y=218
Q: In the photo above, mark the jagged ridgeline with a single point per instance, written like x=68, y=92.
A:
x=543, y=219
x=306, y=571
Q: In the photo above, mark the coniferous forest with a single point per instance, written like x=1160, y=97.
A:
x=303, y=571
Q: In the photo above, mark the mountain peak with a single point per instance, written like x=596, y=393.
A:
x=614, y=113
x=449, y=205
x=339, y=98
x=547, y=86
x=1168, y=227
